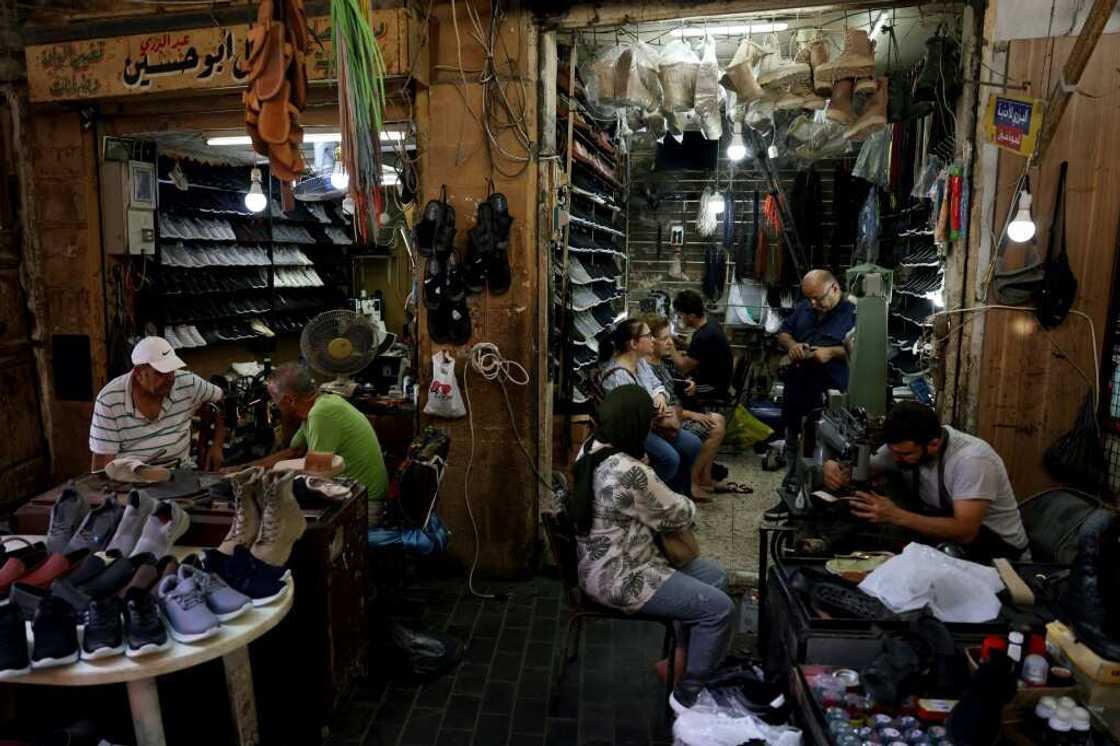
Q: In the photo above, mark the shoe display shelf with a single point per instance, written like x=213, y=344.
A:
x=229, y=275
x=139, y=674
x=589, y=264
x=919, y=278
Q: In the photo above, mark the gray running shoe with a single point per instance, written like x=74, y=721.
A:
x=136, y=513
x=167, y=523
x=184, y=607
x=98, y=526
x=66, y=515
x=226, y=603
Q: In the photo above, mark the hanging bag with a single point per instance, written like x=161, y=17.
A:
x=1059, y=285
x=444, y=399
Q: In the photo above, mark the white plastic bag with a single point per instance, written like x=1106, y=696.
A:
x=444, y=399
x=636, y=77
x=728, y=723
x=677, y=70
x=955, y=590
x=707, y=93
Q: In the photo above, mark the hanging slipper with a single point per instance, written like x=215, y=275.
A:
x=435, y=233
x=458, y=323
x=439, y=324
x=474, y=270
x=454, y=287
x=498, y=274
x=268, y=80
x=435, y=284
x=297, y=77
x=296, y=18
x=502, y=219
x=275, y=123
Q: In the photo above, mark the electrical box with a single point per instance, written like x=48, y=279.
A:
x=128, y=205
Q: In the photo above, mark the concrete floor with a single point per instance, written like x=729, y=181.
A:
x=727, y=527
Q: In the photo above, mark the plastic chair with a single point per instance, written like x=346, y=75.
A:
x=562, y=542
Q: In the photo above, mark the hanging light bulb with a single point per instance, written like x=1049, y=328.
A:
x=339, y=178
x=1022, y=228
x=737, y=150
x=255, y=200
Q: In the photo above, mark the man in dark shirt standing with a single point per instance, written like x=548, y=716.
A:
x=813, y=337
x=708, y=359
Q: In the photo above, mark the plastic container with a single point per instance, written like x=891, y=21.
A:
x=1058, y=732
x=1036, y=670
x=1080, y=727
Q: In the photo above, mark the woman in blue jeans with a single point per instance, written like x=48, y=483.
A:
x=617, y=506
x=623, y=362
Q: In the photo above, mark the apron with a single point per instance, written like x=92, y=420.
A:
x=987, y=544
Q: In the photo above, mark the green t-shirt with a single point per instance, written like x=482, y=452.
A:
x=334, y=425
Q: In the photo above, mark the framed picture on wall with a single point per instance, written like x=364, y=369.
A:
x=142, y=184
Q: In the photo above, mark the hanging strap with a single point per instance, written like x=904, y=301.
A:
x=1058, y=221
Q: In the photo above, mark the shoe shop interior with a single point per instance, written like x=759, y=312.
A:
x=501, y=373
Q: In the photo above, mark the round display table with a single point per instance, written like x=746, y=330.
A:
x=139, y=674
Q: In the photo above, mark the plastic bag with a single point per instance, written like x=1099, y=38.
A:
x=655, y=123
x=677, y=69
x=873, y=163
x=706, y=213
x=867, y=240
x=727, y=722
x=636, y=83
x=955, y=590
x=1077, y=457
x=744, y=429
x=600, y=77
x=444, y=399
x=706, y=102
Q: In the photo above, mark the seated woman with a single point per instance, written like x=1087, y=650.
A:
x=617, y=504
x=672, y=450
x=709, y=427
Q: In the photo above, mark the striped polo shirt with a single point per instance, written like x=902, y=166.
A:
x=119, y=429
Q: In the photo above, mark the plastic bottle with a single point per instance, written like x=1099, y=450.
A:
x=1036, y=670
x=1058, y=732
x=1015, y=650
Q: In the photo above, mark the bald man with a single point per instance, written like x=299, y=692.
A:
x=813, y=337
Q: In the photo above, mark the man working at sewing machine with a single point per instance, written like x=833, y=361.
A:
x=813, y=337
x=963, y=495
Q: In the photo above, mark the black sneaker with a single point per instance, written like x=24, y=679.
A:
x=261, y=582
x=13, y=643
x=55, y=630
x=104, y=631
x=116, y=576
x=777, y=513
x=143, y=626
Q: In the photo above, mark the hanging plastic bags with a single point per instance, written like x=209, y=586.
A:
x=677, y=69
x=873, y=163
x=867, y=240
x=444, y=399
x=636, y=82
x=706, y=102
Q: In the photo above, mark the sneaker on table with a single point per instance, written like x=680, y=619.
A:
x=67, y=513
x=55, y=632
x=98, y=526
x=183, y=603
x=144, y=630
x=14, y=658
x=226, y=603
x=136, y=513
x=167, y=523
x=103, y=636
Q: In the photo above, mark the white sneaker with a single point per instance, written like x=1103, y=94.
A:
x=172, y=339
x=185, y=339
x=199, y=340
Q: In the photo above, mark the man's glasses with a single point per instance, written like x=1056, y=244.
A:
x=824, y=295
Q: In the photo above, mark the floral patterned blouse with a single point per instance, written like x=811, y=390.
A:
x=619, y=564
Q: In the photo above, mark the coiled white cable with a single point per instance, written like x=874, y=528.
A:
x=486, y=360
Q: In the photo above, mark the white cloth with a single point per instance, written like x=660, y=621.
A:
x=118, y=429
x=955, y=590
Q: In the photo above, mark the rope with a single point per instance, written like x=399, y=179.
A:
x=486, y=360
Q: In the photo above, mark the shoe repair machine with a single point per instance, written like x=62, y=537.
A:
x=848, y=427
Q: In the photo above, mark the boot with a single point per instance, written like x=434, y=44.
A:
x=874, y=116
x=1084, y=604
x=818, y=56
x=776, y=73
x=282, y=521
x=840, y=106
x=866, y=86
x=739, y=75
x=856, y=61
x=247, y=513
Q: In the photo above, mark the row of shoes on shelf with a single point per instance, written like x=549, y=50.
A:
x=919, y=280
x=196, y=229
x=189, y=336
x=588, y=270
x=290, y=323
x=214, y=201
x=339, y=236
x=175, y=283
x=287, y=233
x=585, y=297
x=584, y=156
x=293, y=277
x=290, y=256
x=591, y=322
x=182, y=255
x=581, y=238
x=203, y=308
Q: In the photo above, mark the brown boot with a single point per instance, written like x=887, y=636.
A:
x=282, y=521
x=777, y=74
x=247, y=516
x=840, y=107
x=874, y=116
x=818, y=56
x=856, y=61
x=739, y=75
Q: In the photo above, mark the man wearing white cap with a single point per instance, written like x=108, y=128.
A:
x=146, y=413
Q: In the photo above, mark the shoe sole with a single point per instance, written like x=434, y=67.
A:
x=148, y=649
x=103, y=653
x=55, y=662
x=12, y=673
x=230, y=616
x=265, y=601
x=185, y=638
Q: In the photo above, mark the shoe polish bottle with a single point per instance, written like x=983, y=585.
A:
x=1080, y=727
x=1015, y=651
x=1058, y=732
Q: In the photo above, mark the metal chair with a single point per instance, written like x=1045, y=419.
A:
x=562, y=542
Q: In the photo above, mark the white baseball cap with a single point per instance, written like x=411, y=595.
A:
x=158, y=353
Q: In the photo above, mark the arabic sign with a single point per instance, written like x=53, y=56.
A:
x=199, y=58
x=1013, y=122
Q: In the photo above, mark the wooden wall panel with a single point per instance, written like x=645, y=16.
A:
x=1031, y=390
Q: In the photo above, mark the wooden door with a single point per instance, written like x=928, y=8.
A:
x=24, y=458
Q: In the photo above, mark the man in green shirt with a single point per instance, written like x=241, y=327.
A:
x=331, y=424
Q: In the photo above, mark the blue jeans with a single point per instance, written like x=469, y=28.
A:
x=696, y=597
x=672, y=460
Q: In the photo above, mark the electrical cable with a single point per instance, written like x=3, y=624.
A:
x=486, y=360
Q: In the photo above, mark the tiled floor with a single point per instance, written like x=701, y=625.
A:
x=505, y=689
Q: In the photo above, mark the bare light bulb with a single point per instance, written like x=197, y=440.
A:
x=1022, y=228
x=339, y=178
x=737, y=150
x=255, y=199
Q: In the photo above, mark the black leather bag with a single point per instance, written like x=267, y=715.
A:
x=1058, y=289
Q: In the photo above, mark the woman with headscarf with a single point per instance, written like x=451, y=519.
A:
x=622, y=362
x=617, y=506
